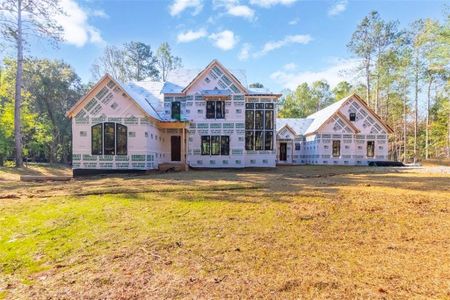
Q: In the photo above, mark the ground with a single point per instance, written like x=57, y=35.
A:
x=290, y=232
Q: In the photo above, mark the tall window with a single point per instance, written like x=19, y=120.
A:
x=176, y=110
x=352, y=116
x=206, y=145
x=215, y=109
x=370, y=148
x=215, y=145
x=259, y=126
x=336, y=148
x=97, y=139
x=109, y=139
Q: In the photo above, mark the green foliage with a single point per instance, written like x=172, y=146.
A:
x=166, y=61
x=306, y=99
x=50, y=89
x=342, y=90
x=140, y=61
x=256, y=85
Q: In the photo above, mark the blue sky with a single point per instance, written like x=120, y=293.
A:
x=280, y=43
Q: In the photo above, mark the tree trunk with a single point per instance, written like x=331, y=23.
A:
x=404, y=131
x=416, y=105
x=18, y=95
x=427, y=127
x=368, y=82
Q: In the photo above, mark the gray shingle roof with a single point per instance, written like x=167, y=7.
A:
x=148, y=96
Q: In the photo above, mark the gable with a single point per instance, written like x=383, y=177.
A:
x=215, y=77
x=105, y=101
x=286, y=133
x=366, y=121
x=109, y=97
x=337, y=124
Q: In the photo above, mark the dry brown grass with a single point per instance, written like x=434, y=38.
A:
x=292, y=232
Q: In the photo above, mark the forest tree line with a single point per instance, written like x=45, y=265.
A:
x=51, y=87
x=405, y=72
x=405, y=79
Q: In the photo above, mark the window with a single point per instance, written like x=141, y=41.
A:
x=215, y=109
x=121, y=140
x=352, y=116
x=206, y=144
x=297, y=146
x=109, y=139
x=176, y=110
x=370, y=148
x=225, y=145
x=97, y=139
x=215, y=145
x=336, y=148
x=259, y=125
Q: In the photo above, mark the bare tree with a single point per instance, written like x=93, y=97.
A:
x=166, y=62
x=19, y=20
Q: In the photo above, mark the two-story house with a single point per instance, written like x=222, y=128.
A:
x=207, y=118
x=210, y=119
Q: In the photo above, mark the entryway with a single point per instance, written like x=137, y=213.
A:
x=283, y=152
x=175, y=148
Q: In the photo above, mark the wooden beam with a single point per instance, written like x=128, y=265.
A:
x=175, y=125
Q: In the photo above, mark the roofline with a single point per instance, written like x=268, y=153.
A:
x=70, y=112
x=386, y=126
x=389, y=129
x=264, y=95
x=214, y=61
x=290, y=128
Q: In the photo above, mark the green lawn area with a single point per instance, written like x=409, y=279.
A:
x=290, y=232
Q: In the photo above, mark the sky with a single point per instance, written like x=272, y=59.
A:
x=280, y=43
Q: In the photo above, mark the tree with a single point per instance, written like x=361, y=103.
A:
x=362, y=44
x=321, y=94
x=298, y=104
x=166, y=62
x=256, y=85
x=20, y=19
x=140, y=61
x=342, y=90
x=54, y=88
x=113, y=62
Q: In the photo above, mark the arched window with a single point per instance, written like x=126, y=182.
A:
x=109, y=139
x=97, y=139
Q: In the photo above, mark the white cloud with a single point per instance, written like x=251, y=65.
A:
x=190, y=35
x=75, y=22
x=269, y=3
x=98, y=13
x=241, y=11
x=244, y=54
x=178, y=6
x=290, y=66
x=294, y=21
x=225, y=40
x=234, y=8
x=290, y=39
x=338, y=8
x=338, y=70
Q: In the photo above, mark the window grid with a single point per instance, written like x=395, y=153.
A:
x=259, y=125
x=215, y=145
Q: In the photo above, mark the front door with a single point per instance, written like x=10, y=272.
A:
x=283, y=151
x=175, y=143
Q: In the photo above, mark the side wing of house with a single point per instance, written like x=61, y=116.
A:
x=371, y=142
x=353, y=134
x=110, y=131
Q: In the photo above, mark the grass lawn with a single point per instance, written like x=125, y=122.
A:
x=290, y=232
